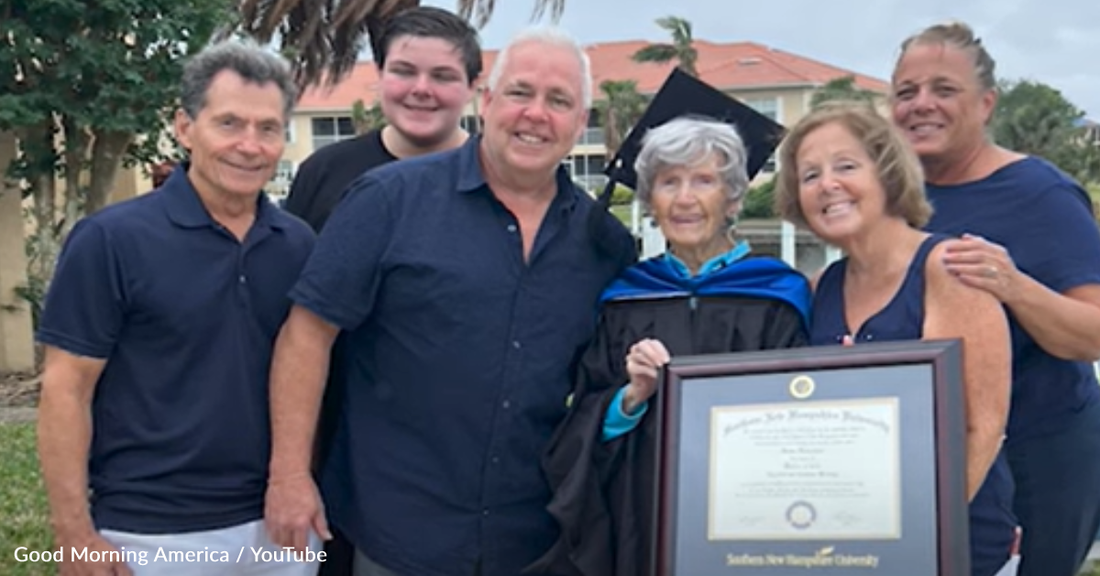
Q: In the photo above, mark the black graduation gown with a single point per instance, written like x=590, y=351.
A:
x=604, y=491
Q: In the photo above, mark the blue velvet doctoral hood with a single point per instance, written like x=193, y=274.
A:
x=748, y=278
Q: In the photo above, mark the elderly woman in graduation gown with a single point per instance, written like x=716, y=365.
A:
x=707, y=294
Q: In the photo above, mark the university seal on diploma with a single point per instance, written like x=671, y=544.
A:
x=801, y=514
x=767, y=459
x=802, y=387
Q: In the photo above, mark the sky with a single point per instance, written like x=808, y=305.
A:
x=1056, y=42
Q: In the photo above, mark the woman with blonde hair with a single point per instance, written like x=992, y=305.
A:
x=848, y=176
x=1028, y=238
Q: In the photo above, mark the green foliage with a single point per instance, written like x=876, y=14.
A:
x=760, y=201
x=366, y=119
x=22, y=502
x=88, y=88
x=1034, y=118
x=842, y=88
x=101, y=69
x=681, y=48
x=621, y=107
x=34, y=294
x=1091, y=568
x=622, y=195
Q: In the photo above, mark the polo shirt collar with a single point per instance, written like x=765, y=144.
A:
x=185, y=208
x=471, y=178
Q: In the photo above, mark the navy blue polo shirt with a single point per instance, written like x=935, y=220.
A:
x=1044, y=219
x=185, y=316
x=460, y=361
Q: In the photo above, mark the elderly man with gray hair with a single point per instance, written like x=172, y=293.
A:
x=158, y=330
x=466, y=281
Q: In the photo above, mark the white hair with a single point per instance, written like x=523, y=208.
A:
x=688, y=140
x=555, y=37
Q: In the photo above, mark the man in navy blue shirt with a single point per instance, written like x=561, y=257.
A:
x=158, y=329
x=468, y=282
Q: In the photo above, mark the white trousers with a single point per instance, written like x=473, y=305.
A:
x=1011, y=567
x=242, y=550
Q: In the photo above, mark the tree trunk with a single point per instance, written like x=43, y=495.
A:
x=75, y=155
x=43, y=247
x=107, y=154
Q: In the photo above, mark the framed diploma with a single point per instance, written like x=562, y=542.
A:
x=850, y=459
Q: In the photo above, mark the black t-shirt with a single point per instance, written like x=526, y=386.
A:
x=326, y=174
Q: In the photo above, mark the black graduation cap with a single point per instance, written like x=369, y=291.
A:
x=685, y=95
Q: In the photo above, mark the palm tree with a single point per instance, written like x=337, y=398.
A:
x=323, y=38
x=366, y=119
x=842, y=88
x=619, y=111
x=681, y=49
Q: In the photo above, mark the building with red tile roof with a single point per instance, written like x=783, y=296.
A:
x=777, y=83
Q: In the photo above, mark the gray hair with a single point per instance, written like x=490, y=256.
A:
x=554, y=37
x=687, y=141
x=251, y=62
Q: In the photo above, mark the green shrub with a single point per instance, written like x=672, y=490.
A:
x=759, y=201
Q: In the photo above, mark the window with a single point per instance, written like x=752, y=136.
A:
x=279, y=186
x=328, y=130
x=285, y=171
x=288, y=132
x=593, y=133
x=587, y=171
x=768, y=107
x=471, y=124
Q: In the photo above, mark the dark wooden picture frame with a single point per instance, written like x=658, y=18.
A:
x=944, y=357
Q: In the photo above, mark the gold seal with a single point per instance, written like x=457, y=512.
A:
x=802, y=387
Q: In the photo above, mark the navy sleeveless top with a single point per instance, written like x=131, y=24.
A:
x=992, y=523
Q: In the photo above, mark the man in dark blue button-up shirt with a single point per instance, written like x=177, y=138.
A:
x=159, y=328
x=468, y=282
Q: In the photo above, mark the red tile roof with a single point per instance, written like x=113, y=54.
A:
x=732, y=66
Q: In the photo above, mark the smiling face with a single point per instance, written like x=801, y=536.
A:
x=691, y=206
x=535, y=113
x=236, y=139
x=424, y=88
x=938, y=102
x=839, y=188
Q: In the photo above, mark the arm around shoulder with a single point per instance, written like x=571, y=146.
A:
x=954, y=310
x=1057, y=300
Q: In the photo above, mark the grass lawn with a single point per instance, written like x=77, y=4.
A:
x=622, y=212
x=23, y=513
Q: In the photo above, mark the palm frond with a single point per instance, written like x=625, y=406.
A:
x=679, y=28
x=324, y=37
x=655, y=53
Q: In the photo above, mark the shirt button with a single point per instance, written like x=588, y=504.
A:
x=515, y=344
x=241, y=279
x=484, y=511
x=494, y=460
x=506, y=404
x=511, y=227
